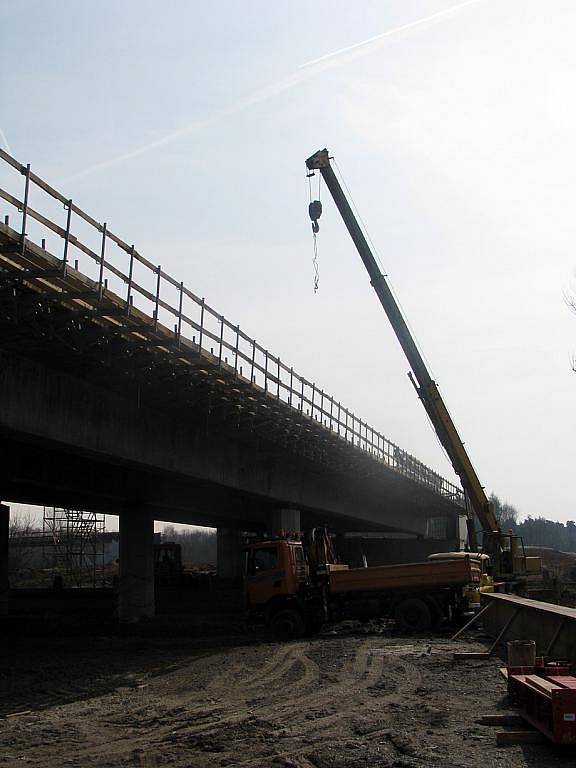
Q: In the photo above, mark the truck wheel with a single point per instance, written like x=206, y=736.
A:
x=413, y=615
x=313, y=628
x=287, y=625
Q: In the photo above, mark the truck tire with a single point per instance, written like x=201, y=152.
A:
x=413, y=615
x=287, y=624
x=313, y=628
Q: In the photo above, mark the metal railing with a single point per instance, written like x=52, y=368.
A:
x=118, y=266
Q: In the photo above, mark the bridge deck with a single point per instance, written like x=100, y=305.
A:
x=256, y=386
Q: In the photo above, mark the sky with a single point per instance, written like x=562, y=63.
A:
x=186, y=125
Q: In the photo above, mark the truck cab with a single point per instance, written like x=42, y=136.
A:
x=278, y=591
x=274, y=570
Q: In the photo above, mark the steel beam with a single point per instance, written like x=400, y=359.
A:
x=552, y=627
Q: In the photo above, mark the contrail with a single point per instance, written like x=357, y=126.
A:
x=5, y=141
x=302, y=74
x=263, y=94
x=389, y=33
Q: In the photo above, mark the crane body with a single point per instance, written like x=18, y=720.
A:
x=504, y=549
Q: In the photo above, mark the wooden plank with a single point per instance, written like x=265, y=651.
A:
x=472, y=621
x=471, y=655
x=504, y=629
x=10, y=160
x=498, y=719
x=509, y=738
x=555, y=636
x=541, y=684
x=538, y=605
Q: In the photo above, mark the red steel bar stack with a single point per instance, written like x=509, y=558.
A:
x=545, y=694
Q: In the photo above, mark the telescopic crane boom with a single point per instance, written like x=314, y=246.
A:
x=476, y=499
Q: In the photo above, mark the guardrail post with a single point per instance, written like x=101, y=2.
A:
x=278, y=390
x=236, y=350
x=202, y=305
x=221, y=339
x=25, y=209
x=158, y=271
x=130, y=273
x=180, y=311
x=102, y=254
x=67, y=237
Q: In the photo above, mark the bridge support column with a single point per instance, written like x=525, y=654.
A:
x=136, y=583
x=4, y=536
x=287, y=520
x=229, y=555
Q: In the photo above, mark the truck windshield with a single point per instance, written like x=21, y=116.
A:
x=265, y=559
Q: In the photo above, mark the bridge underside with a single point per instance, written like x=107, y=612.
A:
x=69, y=442
x=98, y=410
x=101, y=408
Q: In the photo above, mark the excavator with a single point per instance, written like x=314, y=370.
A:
x=509, y=563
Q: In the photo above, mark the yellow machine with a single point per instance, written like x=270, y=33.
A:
x=506, y=551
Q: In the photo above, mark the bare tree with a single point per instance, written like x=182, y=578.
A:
x=21, y=528
x=570, y=300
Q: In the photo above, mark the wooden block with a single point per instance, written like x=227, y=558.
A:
x=507, y=738
x=541, y=684
x=498, y=719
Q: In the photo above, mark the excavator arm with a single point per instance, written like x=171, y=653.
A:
x=476, y=499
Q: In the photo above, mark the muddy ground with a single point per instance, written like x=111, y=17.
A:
x=336, y=701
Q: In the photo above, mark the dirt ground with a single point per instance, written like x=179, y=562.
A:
x=336, y=701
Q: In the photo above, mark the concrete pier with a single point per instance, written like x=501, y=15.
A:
x=287, y=520
x=4, y=536
x=136, y=583
x=230, y=562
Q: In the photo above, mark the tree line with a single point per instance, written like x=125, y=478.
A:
x=536, y=531
x=198, y=546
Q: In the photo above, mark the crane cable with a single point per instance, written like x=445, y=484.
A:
x=401, y=308
x=315, y=211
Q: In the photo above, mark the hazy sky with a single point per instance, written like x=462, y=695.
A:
x=185, y=125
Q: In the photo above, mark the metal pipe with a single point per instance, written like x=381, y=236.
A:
x=67, y=237
x=159, y=273
x=102, y=253
x=130, y=273
x=25, y=209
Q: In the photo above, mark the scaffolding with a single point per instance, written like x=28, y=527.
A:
x=74, y=545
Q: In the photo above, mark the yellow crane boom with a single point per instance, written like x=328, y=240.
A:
x=477, y=502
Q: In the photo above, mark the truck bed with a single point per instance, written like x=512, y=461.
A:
x=431, y=574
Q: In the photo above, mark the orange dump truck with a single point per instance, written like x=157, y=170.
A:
x=293, y=588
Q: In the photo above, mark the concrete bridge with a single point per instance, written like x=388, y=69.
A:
x=122, y=391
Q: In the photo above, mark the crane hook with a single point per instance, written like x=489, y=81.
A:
x=315, y=211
